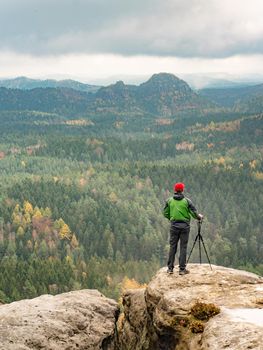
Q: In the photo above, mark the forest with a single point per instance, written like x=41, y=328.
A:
x=81, y=196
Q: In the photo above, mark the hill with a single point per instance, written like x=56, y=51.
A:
x=165, y=94
x=24, y=83
x=55, y=100
x=253, y=103
x=234, y=96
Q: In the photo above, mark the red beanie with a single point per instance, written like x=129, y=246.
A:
x=179, y=187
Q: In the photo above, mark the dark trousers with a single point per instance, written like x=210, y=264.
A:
x=178, y=232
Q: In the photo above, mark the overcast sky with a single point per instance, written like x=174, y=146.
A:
x=97, y=39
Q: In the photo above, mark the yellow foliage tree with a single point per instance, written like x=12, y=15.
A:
x=27, y=218
x=69, y=260
x=20, y=231
x=28, y=208
x=16, y=219
x=65, y=232
x=37, y=213
x=17, y=209
x=128, y=283
x=47, y=212
x=29, y=245
x=113, y=197
x=59, y=223
x=24, y=222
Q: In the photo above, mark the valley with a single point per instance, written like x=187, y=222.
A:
x=84, y=177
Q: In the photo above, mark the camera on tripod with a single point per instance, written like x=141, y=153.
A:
x=200, y=240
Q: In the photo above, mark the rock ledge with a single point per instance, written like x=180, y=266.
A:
x=82, y=319
x=158, y=317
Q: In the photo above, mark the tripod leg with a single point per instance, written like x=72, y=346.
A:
x=192, y=249
x=205, y=251
x=199, y=244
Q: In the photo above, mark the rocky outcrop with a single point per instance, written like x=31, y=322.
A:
x=181, y=312
x=205, y=310
x=82, y=319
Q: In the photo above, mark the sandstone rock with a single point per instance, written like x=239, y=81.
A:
x=82, y=319
x=163, y=319
x=133, y=330
x=158, y=317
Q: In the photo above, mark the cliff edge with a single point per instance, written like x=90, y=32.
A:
x=205, y=310
x=218, y=309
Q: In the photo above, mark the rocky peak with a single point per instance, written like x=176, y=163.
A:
x=118, y=95
x=164, y=94
x=165, y=82
x=119, y=84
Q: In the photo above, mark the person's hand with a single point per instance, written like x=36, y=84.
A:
x=200, y=217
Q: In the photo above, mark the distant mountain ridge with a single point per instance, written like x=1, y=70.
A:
x=163, y=94
x=232, y=97
x=53, y=100
x=25, y=83
x=252, y=102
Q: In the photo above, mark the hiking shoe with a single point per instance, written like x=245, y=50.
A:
x=184, y=272
x=170, y=271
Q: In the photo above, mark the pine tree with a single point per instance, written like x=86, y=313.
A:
x=74, y=242
x=29, y=291
x=47, y=212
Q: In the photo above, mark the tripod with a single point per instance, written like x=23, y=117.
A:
x=200, y=239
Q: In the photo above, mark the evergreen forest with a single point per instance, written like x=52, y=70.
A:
x=82, y=189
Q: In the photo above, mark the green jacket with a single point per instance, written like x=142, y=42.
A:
x=179, y=208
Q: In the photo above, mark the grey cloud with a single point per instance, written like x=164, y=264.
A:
x=189, y=28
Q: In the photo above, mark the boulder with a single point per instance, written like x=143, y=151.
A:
x=83, y=319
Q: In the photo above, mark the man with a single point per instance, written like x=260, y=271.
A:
x=178, y=210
